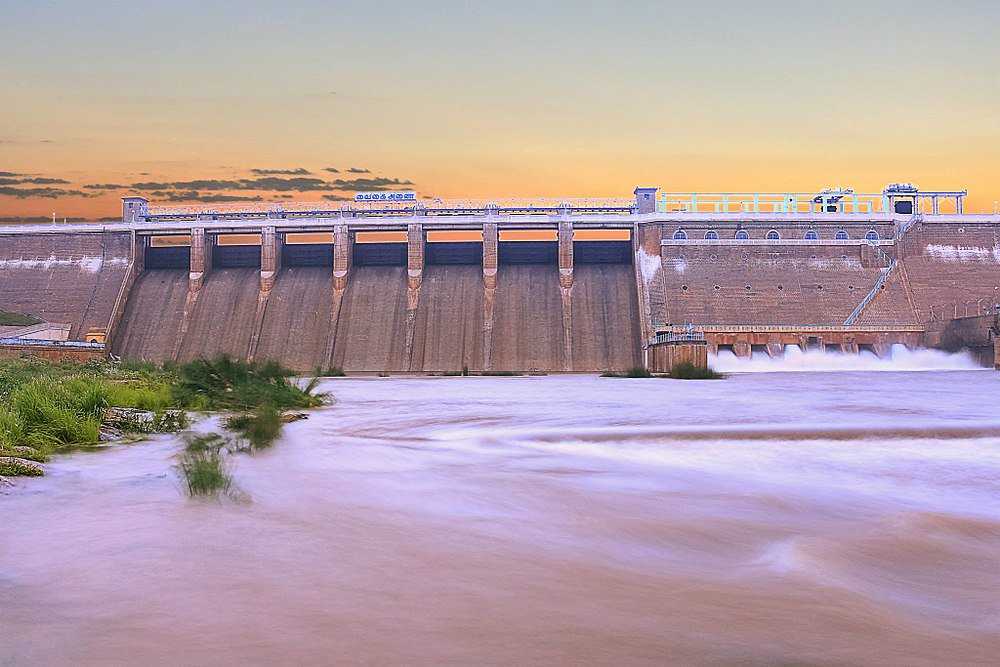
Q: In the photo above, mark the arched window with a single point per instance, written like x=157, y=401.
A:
x=712, y=235
x=811, y=235
x=842, y=235
x=742, y=235
x=872, y=235
x=773, y=235
x=680, y=235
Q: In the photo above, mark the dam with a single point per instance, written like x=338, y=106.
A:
x=537, y=286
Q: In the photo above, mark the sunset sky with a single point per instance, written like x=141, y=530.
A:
x=187, y=99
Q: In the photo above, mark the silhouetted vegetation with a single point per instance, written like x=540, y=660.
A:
x=634, y=372
x=688, y=371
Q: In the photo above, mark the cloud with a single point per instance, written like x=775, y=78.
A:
x=188, y=185
x=298, y=171
x=336, y=198
x=298, y=184
x=9, y=181
x=105, y=186
x=9, y=173
x=43, y=193
x=194, y=195
x=45, y=181
x=332, y=170
x=264, y=183
x=377, y=183
x=358, y=170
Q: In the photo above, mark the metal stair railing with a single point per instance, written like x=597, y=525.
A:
x=879, y=283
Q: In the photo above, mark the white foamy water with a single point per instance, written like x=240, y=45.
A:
x=769, y=518
x=794, y=359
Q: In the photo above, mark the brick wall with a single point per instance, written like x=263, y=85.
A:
x=763, y=284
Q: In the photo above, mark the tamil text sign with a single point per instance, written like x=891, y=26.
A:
x=385, y=196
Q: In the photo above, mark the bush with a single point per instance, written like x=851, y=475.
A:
x=259, y=429
x=203, y=466
x=634, y=372
x=228, y=384
x=688, y=371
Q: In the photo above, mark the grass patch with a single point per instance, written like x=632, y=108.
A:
x=634, y=372
x=50, y=406
x=501, y=373
x=203, y=466
x=688, y=371
x=229, y=384
x=259, y=429
x=9, y=319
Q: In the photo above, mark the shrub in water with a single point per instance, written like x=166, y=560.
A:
x=688, y=371
x=203, y=466
x=260, y=429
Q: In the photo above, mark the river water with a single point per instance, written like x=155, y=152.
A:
x=833, y=518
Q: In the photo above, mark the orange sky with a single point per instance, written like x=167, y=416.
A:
x=470, y=101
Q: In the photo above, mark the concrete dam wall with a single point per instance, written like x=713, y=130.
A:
x=521, y=298
x=69, y=279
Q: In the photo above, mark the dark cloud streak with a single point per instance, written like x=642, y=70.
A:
x=298, y=171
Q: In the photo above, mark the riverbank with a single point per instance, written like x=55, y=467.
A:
x=47, y=408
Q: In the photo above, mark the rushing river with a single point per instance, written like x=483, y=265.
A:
x=771, y=518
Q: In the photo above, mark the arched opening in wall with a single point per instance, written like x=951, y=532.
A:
x=842, y=235
x=758, y=350
x=727, y=348
x=872, y=235
x=865, y=348
x=711, y=235
x=773, y=235
x=742, y=235
x=811, y=235
x=680, y=235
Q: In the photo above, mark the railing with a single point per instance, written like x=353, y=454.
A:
x=953, y=311
x=879, y=283
x=689, y=335
x=817, y=328
x=37, y=342
x=770, y=202
x=433, y=207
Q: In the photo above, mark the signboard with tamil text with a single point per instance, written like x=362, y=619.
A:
x=385, y=196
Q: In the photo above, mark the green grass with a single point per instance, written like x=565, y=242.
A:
x=50, y=406
x=501, y=373
x=203, y=467
x=259, y=428
x=688, y=371
x=634, y=372
x=229, y=384
x=9, y=319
